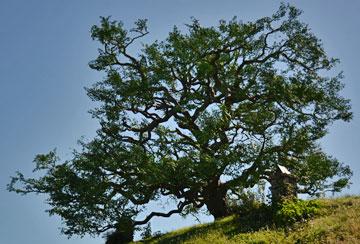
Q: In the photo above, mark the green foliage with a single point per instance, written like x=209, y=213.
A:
x=291, y=212
x=248, y=201
x=223, y=102
x=317, y=167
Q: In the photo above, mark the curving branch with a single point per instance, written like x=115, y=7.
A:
x=180, y=208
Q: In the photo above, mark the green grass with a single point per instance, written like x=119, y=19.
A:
x=338, y=221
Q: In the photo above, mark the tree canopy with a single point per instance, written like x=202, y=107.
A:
x=203, y=113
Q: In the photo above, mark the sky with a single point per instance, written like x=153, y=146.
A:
x=45, y=47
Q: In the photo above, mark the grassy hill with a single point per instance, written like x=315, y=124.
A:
x=337, y=221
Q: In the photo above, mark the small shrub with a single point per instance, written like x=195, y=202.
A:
x=247, y=201
x=146, y=232
x=157, y=234
x=290, y=212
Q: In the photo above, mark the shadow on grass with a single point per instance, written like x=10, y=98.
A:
x=229, y=226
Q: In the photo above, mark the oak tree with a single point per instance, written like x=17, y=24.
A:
x=207, y=111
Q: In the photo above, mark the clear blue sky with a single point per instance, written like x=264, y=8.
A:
x=44, y=50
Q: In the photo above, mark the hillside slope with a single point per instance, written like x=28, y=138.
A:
x=337, y=222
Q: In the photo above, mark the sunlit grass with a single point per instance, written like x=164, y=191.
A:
x=338, y=222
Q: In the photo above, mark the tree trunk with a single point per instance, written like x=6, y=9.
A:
x=119, y=237
x=123, y=234
x=215, y=199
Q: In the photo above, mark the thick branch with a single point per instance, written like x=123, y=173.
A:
x=168, y=214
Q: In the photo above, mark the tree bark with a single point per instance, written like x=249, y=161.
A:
x=123, y=234
x=215, y=199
